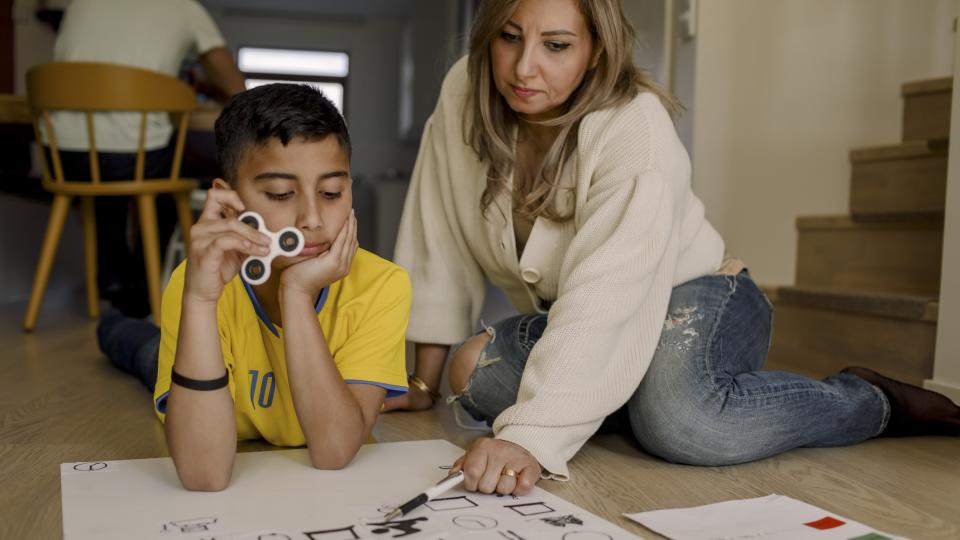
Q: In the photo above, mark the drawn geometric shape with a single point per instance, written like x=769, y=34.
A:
x=346, y=533
x=475, y=523
x=530, y=509
x=265, y=535
x=562, y=521
x=586, y=535
x=450, y=503
x=90, y=466
x=193, y=525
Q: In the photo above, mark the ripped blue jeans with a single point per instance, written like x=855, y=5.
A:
x=705, y=399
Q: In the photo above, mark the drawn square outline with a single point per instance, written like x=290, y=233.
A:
x=450, y=503
x=317, y=535
x=526, y=509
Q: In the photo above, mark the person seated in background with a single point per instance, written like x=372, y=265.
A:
x=307, y=357
x=151, y=35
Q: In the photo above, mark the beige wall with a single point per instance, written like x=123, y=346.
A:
x=784, y=89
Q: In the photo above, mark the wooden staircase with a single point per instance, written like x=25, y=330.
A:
x=868, y=282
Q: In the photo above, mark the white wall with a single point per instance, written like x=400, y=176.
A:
x=946, y=368
x=784, y=89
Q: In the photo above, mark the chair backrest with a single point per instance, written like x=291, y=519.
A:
x=93, y=87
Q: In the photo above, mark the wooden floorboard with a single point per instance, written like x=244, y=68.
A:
x=61, y=401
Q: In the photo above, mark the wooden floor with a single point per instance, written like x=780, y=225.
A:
x=61, y=401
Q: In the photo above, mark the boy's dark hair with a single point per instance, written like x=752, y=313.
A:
x=284, y=111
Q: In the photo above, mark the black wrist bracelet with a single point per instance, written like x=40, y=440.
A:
x=195, y=384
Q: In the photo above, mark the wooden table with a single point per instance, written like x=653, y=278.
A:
x=14, y=110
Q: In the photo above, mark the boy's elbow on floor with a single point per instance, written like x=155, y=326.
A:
x=331, y=460
x=204, y=481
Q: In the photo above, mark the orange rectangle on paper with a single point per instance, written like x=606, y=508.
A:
x=825, y=523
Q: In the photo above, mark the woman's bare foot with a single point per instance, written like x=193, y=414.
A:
x=913, y=410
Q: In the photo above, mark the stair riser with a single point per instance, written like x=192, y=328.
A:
x=926, y=116
x=911, y=186
x=819, y=343
x=871, y=259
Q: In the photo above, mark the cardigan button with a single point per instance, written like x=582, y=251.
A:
x=530, y=275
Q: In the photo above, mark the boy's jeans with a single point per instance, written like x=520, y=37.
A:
x=704, y=400
x=131, y=344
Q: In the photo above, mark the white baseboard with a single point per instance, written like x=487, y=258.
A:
x=952, y=391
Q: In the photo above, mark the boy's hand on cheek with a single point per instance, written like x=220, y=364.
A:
x=309, y=277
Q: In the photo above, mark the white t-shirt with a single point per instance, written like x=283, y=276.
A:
x=149, y=34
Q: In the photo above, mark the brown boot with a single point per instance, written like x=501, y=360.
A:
x=913, y=410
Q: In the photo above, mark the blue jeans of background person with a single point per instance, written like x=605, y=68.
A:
x=704, y=400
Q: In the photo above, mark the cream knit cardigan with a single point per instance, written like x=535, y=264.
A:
x=638, y=230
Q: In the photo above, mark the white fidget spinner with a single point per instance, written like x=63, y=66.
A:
x=286, y=242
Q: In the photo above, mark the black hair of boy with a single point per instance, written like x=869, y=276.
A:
x=281, y=110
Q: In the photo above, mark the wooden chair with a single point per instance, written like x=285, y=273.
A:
x=90, y=88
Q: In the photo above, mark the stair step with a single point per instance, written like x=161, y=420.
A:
x=926, y=109
x=818, y=332
x=894, y=253
x=899, y=306
x=908, y=178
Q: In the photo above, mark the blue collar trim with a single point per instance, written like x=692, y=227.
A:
x=262, y=315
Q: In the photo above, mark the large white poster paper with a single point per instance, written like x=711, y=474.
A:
x=277, y=495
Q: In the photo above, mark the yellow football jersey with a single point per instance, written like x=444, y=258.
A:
x=363, y=318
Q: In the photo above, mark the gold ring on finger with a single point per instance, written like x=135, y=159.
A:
x=509, y=472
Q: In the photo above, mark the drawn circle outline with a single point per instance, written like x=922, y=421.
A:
x=92, y=466
x=483, y=521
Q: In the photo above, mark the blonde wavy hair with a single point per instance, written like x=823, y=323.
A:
x=489, y=124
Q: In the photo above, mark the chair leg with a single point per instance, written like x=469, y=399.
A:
x=90, y=252
x=48, y=252
x=185, y=216
x=147, y=206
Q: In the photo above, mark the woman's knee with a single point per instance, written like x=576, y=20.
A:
x=465, y=360
x=691, y=435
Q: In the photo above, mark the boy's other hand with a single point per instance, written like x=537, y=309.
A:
x=309, y=277
x=219, y=243
x=414, y=400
